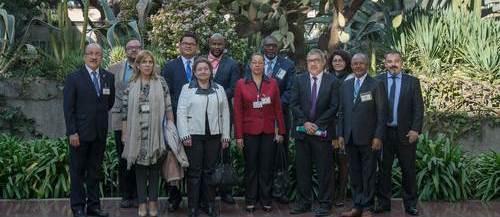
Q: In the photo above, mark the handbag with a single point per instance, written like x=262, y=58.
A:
x=281, y=179
x=223, y=174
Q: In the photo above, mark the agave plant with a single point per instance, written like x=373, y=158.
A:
x=486, y=176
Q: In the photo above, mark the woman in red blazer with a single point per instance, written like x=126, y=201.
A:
x=258, y=123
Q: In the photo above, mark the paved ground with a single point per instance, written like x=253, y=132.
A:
x=60, y=208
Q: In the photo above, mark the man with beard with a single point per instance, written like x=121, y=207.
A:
x=406, y=113
x=123, y=71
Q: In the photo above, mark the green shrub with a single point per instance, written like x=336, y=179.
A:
x=176, y=17
x=443, y=171
x=486, y=176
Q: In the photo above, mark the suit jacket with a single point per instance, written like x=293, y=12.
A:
x=227, y=75
x=361, y=120
x=175, y=75
x=327, y=103
x=410, y=107
x=118, y=70
x=84, y=112
x=285, y=81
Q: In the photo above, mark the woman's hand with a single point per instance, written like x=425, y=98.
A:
x=278, y=138
x=225, y=143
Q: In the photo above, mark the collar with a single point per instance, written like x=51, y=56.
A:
x=89, y=70
x=128, y=64
x=272, y=61
x=248, y=77
x=184, y=60
x=212, y=57
x=211, y=88
x=318, y=77
x=399, y=75
x=362, y=77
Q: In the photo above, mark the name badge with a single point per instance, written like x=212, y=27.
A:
x=257, y=104
x=281, y=74
x=106, y=91
x=265, y=100
x=366, y=96
x=144, y=108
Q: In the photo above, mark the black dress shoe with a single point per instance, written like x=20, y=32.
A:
x=267, y=208
x=97, y=212
x=79, y=213
x=321, y=211
x=412, y=211
x=227, y=198
x=173, y=205
x=381, y=209
x=250, y=208
x=283, y=199
x=299, y=209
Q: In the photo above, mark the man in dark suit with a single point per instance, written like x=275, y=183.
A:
x=314, y=104
x=404, y=123
x=226, y=73
x=283, y=70
x=362, y=119
x=89, y=94
x=178, y=72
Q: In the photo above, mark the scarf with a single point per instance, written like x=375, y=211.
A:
x=157, y=111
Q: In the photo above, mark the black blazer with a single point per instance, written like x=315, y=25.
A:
x=227, y=75
x=362, y=121
x=175, y=76
x=326, y=107
x=84, y=112
x=410, y=107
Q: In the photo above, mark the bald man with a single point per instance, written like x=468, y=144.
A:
x=89, y=94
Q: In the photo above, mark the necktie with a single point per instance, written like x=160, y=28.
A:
x=392, y=97
x=96, y=83
x=356, y=89
x=189, y=73
x=314, y=96
x=269, y=70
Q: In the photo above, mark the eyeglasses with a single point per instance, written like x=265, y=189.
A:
x=188, y=44
x=134, y=47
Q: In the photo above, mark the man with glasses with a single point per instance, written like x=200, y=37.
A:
x=123, y=71
x=89, y=94
x=178, y=72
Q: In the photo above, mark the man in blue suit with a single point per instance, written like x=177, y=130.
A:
x=283, y=70
x=89, y=94
x=178, y=72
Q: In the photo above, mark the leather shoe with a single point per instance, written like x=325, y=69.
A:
x=299, y=209
x=267, y=208
x=381, y=209
x=227, y=198
x=79, y=213
x=250, y=208
x=97, y=212
x=367, y=213
x=283, y=199
x=173, y=205
x=321, y=211
x=412, y=211
x=351, y=213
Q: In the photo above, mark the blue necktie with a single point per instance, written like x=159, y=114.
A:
x=356, y=89
x=96, y=83
x=269, y=70
x=189, y=73
x=392, y=98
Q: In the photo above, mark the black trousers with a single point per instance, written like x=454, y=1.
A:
x=308, y=150
x=126, y=178
x=362, y=166
x=341, y=166
x=203, y=156
x=85, y=163
x=148, y=182
x=406, y=154
x=259, y=155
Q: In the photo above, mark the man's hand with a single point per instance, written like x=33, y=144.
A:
x=412, y=136
x=278, y=138
x=187, y=142
x=335, y=143
x=240, y=144
x=310, y=128
x=376, y=144
x=341, y=143
x=74, y=140
x=225, y=143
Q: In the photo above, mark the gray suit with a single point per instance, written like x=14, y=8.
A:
x=360, y=121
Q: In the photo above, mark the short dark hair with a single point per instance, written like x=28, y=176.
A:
x=393, y=52
x=189, y=35
x=346, y=56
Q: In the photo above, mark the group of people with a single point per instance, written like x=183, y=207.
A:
x=179, y=119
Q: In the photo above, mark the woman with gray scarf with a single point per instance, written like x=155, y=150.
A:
x=146, y=102
x=203, y=124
